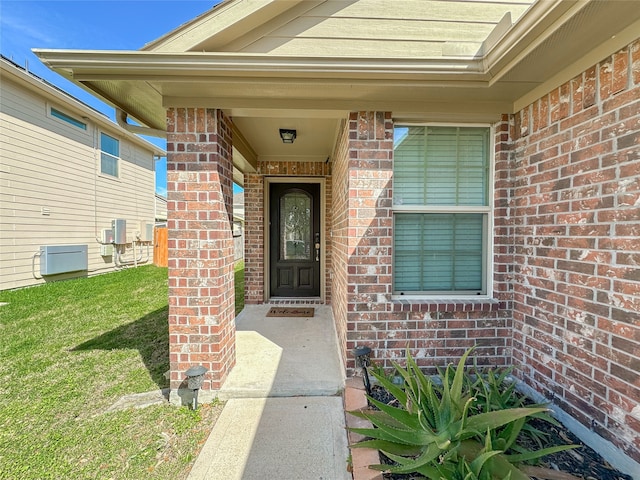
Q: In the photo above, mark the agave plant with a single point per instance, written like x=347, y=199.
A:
x=439, y=431
x=493, y=392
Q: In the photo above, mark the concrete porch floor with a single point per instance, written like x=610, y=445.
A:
x=284, y=357
x=284, y=414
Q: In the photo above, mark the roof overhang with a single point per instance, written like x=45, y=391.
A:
x=552, y=41
x=144, y=83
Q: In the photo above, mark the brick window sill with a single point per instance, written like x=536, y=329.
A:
x=401, y=304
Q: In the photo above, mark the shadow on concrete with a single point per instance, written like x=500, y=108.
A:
x=284, y=416
x=149, y=335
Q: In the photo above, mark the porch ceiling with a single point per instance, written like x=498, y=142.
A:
x=266, y=90
x=314, y=142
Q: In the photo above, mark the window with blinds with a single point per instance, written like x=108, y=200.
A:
x=441, y=210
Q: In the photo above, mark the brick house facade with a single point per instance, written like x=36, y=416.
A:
x=560, y=229
x=566, y=237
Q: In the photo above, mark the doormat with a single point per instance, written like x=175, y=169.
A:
x=290, y=312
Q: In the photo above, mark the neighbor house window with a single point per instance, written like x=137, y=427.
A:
x=67, y=118
x=110, y=155
x=441, y=210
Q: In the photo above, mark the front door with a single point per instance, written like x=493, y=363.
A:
x=294, y=239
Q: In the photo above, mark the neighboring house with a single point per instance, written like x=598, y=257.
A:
x=161, y=208
x=67, y=171
x=238, y=225
x=468, y=171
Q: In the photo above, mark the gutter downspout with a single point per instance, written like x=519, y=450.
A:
x=121, y=118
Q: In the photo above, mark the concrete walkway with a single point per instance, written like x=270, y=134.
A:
x=284, y=415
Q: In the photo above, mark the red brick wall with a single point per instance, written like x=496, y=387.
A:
x=436, y=333
x=201, y=291
x=339, y=229
x=254, y=252
x=576, y=213
x=503, y=225
x=328, y=237
x=368, y=240
x=254, y=274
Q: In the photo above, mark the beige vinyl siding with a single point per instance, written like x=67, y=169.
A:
x=437, y=10
x=336, y=47
x=46, y=163
x=403, y=28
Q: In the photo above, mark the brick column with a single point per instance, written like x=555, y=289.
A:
x=503, y=227
x=201, y=277
x=254, y=252
x=369, y=232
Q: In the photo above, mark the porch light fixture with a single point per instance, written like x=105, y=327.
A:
x=287, y=136
x=361, y=355
x=195, y=378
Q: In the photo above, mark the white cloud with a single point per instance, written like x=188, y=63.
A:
x=27, y=31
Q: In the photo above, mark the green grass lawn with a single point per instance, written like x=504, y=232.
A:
x=69, y=350
x=239, y=279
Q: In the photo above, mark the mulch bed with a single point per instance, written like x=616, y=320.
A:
x=582, y=462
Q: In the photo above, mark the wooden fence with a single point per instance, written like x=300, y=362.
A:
x=161, y=247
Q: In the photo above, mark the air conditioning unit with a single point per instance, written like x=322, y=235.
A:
x=55, y=259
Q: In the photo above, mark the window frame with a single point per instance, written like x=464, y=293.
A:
x=63, y=117
x=485, y=210
x=110, y=156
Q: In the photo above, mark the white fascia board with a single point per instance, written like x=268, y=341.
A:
x=83, y=65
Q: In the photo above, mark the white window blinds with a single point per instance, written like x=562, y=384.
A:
x=441, y=166
x=440, y=209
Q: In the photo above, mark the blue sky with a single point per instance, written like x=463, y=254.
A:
x=90, y=25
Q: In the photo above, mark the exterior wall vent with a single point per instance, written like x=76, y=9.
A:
x=55, y=259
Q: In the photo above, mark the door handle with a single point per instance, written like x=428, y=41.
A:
x=317, y=245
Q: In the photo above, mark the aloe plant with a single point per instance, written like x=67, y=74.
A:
x=493, y=391
x=440, y=432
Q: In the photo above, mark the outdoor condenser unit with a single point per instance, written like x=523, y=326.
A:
x=55, y=259
x=119, y=228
